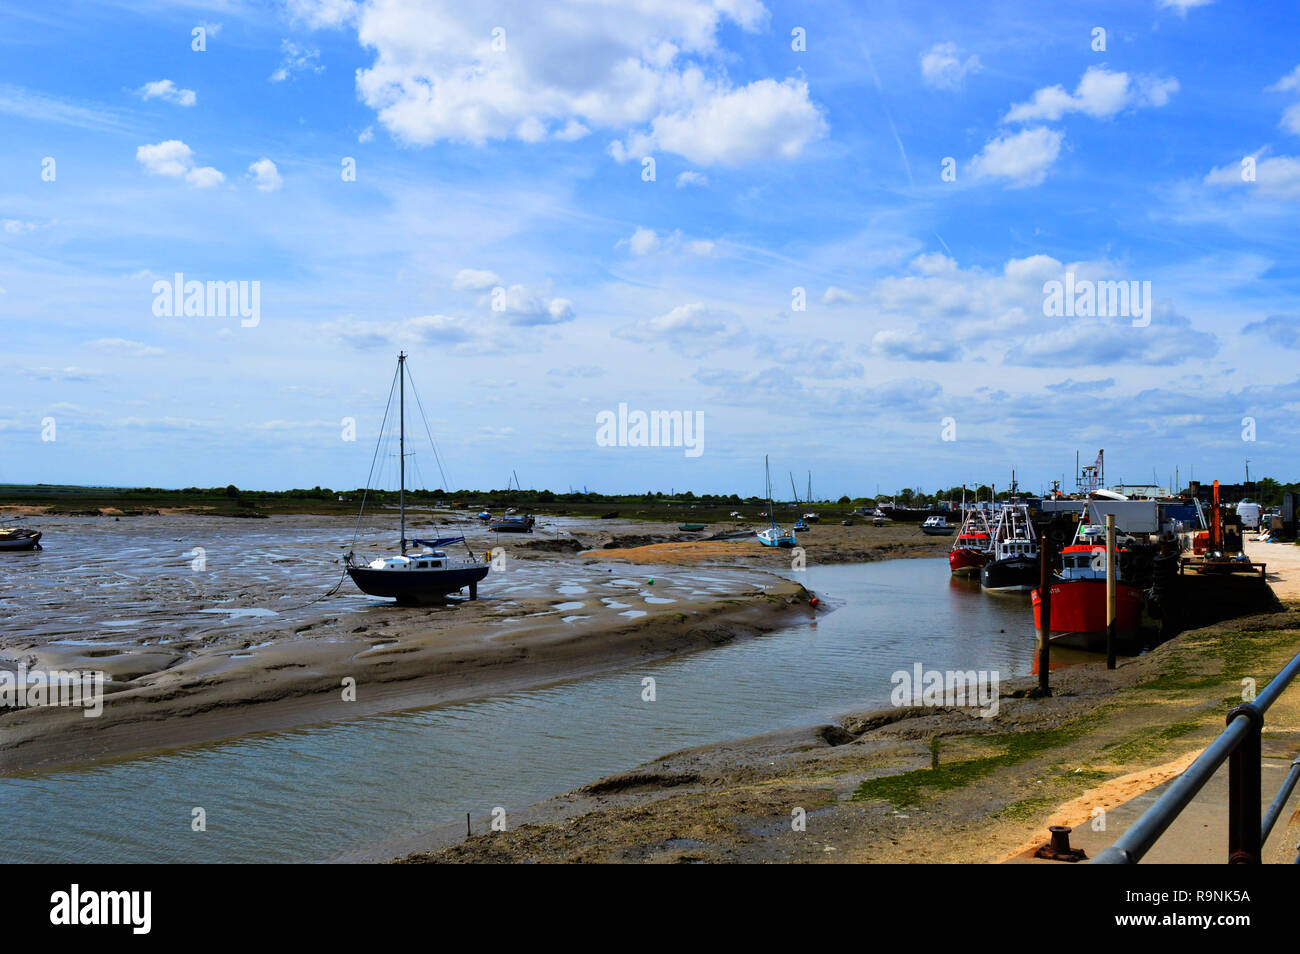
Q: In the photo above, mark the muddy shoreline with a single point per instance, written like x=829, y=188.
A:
x=216, y=655
x=910, y=785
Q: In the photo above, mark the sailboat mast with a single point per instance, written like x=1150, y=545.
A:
x=401, y=441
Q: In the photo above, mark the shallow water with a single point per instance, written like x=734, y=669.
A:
x=315, y=792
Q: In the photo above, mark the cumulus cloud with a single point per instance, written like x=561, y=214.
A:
x=165, y=89
x=1023, y=158
x=1100, y=94
x=690, y=178
x=694, y=329
x=265, y=176
x=174, y=158
x=838, y=296
x=654, y=74
x=473, y=279
x=522, y=306
x=645, y=241
x=913, y=346
x=942, y=66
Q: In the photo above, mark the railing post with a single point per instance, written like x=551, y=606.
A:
x=1244, y=791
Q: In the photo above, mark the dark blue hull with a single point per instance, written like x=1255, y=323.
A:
x=417, y=586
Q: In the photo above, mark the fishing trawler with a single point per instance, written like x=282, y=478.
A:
x=428, y=574
x=1014, y=563
x=1078, y=613
x=973, y=547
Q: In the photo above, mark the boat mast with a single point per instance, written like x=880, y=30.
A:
x=401, y=441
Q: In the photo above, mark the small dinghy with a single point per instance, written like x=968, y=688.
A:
x=20, y=538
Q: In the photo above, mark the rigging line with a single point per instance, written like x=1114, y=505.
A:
x=446, y=484
x=357, y=528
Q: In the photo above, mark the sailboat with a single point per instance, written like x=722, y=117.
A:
x=811, y=516
x=799, y=525
x=426, y=574
x=773, y=536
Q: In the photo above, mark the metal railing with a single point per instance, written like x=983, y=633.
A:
x=1239, y=745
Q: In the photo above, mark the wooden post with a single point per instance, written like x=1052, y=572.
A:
x=1044, y=615
x=1111, y=562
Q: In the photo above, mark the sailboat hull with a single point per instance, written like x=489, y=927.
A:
x=416, y=586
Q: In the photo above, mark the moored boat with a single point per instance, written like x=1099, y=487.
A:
x=517, y=524
x=424, y=576
x=20, y=538
x=1079, y=599
x=1013, y=566
x=774, y=536
x=974, y=544
x=937, y=527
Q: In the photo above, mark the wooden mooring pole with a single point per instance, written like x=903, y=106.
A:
x=1111, y=562
x=1044, y=615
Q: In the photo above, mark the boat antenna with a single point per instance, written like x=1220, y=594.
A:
x=401, y=446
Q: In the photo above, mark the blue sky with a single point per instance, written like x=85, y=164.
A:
x=508, y=166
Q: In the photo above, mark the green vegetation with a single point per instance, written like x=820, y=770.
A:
x=911, y=788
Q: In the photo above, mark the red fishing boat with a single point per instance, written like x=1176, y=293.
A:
x=973, y=546
x=1079, y=597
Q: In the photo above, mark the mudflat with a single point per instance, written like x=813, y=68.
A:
x=209, y=627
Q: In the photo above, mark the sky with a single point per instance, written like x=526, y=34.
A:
x=826, y=232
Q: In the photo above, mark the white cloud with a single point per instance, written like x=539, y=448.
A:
x=651, y=72
x=16, y=226
x=838, y=296
x=523, y=306
x=913, y=346
x=473, y=279
x=1277, y=177
x=323, y=13
x=691, y=329
x=174, y=158
x=169, y=158
x=1100, y=94
x=297, y=59
x=1182, y=6
x=691, y=178
x=204, y=177
x=764, y=120
x=266, y=177
x=167, y=90
x=1291, y=119
x=1023, y=158
x=1287, y=84
x=942, y=66
x=643, y=241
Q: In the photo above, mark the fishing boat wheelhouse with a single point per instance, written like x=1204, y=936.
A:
x=1079, y=595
